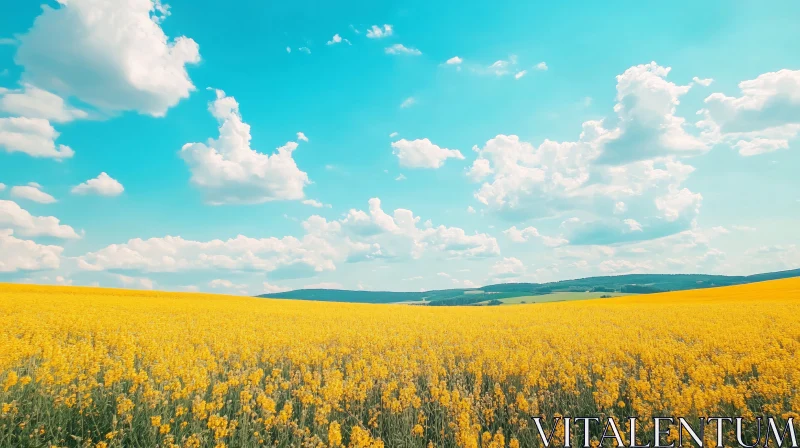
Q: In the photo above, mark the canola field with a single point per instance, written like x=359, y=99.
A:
x=86, y=367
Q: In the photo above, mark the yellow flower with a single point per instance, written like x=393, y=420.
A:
x=334, y=435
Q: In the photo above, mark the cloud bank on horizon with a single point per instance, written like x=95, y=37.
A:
x=260, y=162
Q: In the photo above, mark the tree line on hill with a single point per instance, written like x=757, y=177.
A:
x=631, y=284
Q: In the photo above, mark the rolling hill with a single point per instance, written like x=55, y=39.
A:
x=631, y=284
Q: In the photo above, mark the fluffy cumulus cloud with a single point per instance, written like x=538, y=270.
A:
x=33, y=102
x=102, y=185
x=25, y=255
x=228, y=171
x=174, y=254
x=360, y=236
x=337, y=39
x=376, y=32
x=647, y=126
x=507, y=268
x=764, y=118
x=630, y=166
x=422, y=153
x=14, y=217
x=705, y=82
x=33, y=136
x=32, y=192
x=455, y=60
x=111, y=55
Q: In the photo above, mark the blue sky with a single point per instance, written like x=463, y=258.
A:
x=441, y=144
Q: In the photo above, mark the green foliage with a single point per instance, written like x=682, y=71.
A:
x=633, y=283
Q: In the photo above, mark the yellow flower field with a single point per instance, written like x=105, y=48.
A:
x=117, y=368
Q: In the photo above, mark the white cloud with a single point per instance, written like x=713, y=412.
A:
x=570, y=221
x=314, y=203
x=2, y=186
x=32, y=136
x=688, y=251
x=421, y=153
x=633, y=225
x=763, y=119
x=528, y=233
x=541, y=66
x=648, y=126
x=400, y=177
x=509, y=267
x=301, y=137
x=703, y=82
x=455, y=60
x=773, y=258
x=134, y=282
x=269, y=288
x=32, y=102
x=502, y=67
x=24, y=255
x=520, y=74
x=15, y=217
x=78, y=50
x=227, y=284
x=634, y=163
x=337, y=39
x=624, y=267
x=288, y=49
x=480, y=169
x=401, y=49
x=228, y=170
x=358, y=237
x=471, y=210
x=758, y=146
x=376, y=32
x=174, y=254
x=408, y=102
x=398, y=235
x=102, y=185
x=675, y=202
x=32, y=192
x=393, y=135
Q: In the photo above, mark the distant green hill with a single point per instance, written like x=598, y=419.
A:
x=632, y=283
